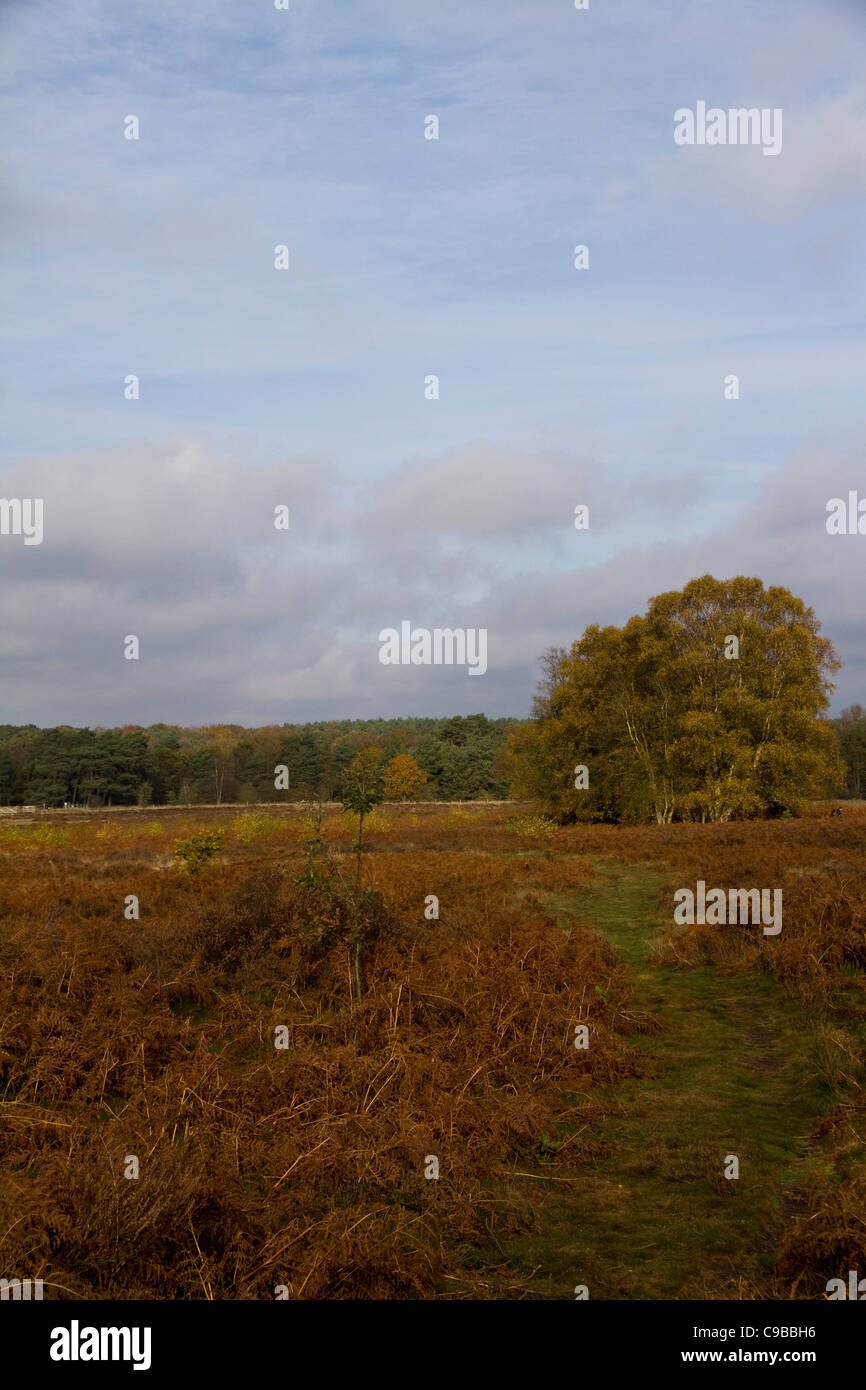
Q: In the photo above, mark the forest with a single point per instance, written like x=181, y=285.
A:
x=461, y=759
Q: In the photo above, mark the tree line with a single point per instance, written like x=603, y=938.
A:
x=448, y=759
x=850, y=730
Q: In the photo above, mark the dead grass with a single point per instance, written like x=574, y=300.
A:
x=305, y=1167
x=261, y=1167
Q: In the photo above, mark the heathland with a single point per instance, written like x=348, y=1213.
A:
x=202, y=1097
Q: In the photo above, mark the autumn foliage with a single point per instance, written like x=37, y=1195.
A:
x=403, y=778
x=303, y=1167
x=711, y=707
x=260, y=1167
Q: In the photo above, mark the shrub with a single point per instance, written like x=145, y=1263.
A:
x=191, y=854
x=537, y=827
x=252, y=827
x=50, y=835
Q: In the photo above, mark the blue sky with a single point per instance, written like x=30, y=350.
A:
x=410, y=257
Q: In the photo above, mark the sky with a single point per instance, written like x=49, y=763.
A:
x=411, y=257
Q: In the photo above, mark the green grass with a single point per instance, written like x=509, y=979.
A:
x=733, y=1072
x=192, y=1010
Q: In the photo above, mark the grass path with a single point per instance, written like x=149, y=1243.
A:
x=654, y=1218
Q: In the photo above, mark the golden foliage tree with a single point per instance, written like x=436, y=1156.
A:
x=403, y=778
x=710, y=707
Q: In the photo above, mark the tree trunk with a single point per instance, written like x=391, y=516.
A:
x=359, y=985
x=358, y=869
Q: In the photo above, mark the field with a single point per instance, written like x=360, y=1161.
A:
x=277, y=1082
